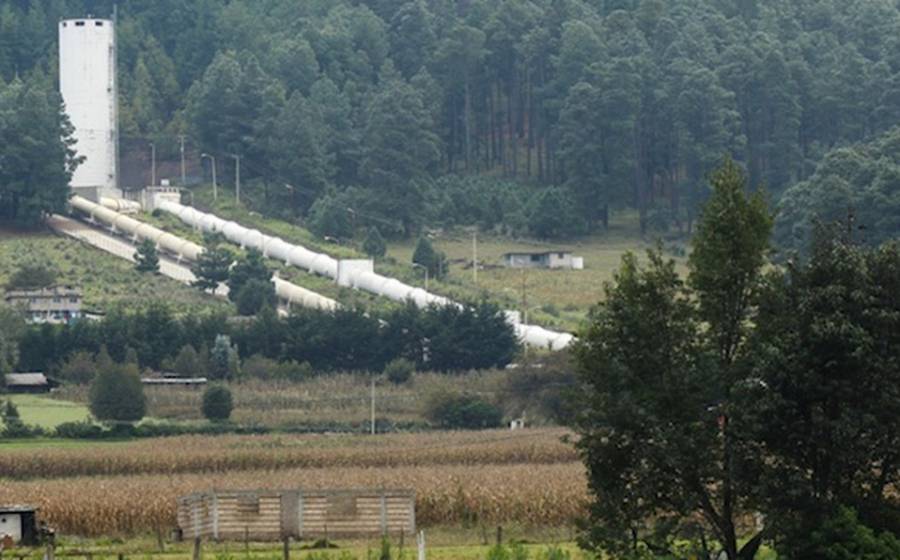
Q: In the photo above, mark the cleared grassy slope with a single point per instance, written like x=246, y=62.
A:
x=558, y=299
x=107, y=281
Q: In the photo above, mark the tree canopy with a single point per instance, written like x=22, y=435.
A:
x=624, y=105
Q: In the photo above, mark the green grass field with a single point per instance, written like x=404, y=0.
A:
x=47, y=412
x=107, y=281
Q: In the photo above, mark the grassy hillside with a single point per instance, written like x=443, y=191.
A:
x=106, y=280
x=558, y=298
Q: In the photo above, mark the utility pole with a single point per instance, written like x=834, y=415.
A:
x=152, y=164
x=372, y=411
x=237, y=178
x=524, y=299
x=215, y=187
x=475, y=256
x=181, y=138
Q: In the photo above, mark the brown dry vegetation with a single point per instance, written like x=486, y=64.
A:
x=527, y=478
x=341, y=398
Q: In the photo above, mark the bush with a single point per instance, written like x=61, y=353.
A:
x=841, y=537
x=31, y=276
x=462, y=411
x=399, y=371
x=254, y=295
x=117, y=394
x=13, y=427
x=217, y=403
x=79, y=430
x=542, y=388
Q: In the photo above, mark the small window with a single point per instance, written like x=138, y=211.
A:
x=79, y=24
x=98, y=23
x=65, y=24
x=535, y=258
x=73, y=300
x=560, y=255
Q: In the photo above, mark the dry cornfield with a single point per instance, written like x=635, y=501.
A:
x=194, y=454
x=528, y=478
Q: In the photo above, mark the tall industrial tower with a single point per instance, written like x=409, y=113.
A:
x=87, y=82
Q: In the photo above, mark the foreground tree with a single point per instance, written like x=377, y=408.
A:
x=828, y=397
x=658, y=360
x=38, y=156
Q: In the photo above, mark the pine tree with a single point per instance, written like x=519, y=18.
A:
x=374, y=244
x=212, y=267
x=146, y=257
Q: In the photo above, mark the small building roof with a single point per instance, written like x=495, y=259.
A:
x=26, y=379
x=53, y=291
x=174, y=380
x=539, y=253
x=18, y=508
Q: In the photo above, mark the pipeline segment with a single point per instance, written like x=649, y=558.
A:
x=183, y=249
x=296, y=255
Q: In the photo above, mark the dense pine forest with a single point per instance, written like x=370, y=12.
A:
x=524, y=116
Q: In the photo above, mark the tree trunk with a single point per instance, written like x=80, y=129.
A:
x=530, y=117
x=467, y=126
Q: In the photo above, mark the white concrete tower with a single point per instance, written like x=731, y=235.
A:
x=87, y=82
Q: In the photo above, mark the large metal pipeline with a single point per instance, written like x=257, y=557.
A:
x=296, y=255
x=184, y=249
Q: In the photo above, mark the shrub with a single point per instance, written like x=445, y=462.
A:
x=217, y=403
x=79, y=430
x=254, y=295
x=32, y=276
x=541, y=388
x=841, y=537
x=117, y=394
x=399, y=371
x=462, y=411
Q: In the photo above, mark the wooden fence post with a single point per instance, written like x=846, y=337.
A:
x=499, y=535
x=286, y=548
x=198, y=553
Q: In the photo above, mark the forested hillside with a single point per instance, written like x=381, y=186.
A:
x=571, y=107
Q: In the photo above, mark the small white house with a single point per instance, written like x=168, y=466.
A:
x=546, y=259
x=18, y=525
